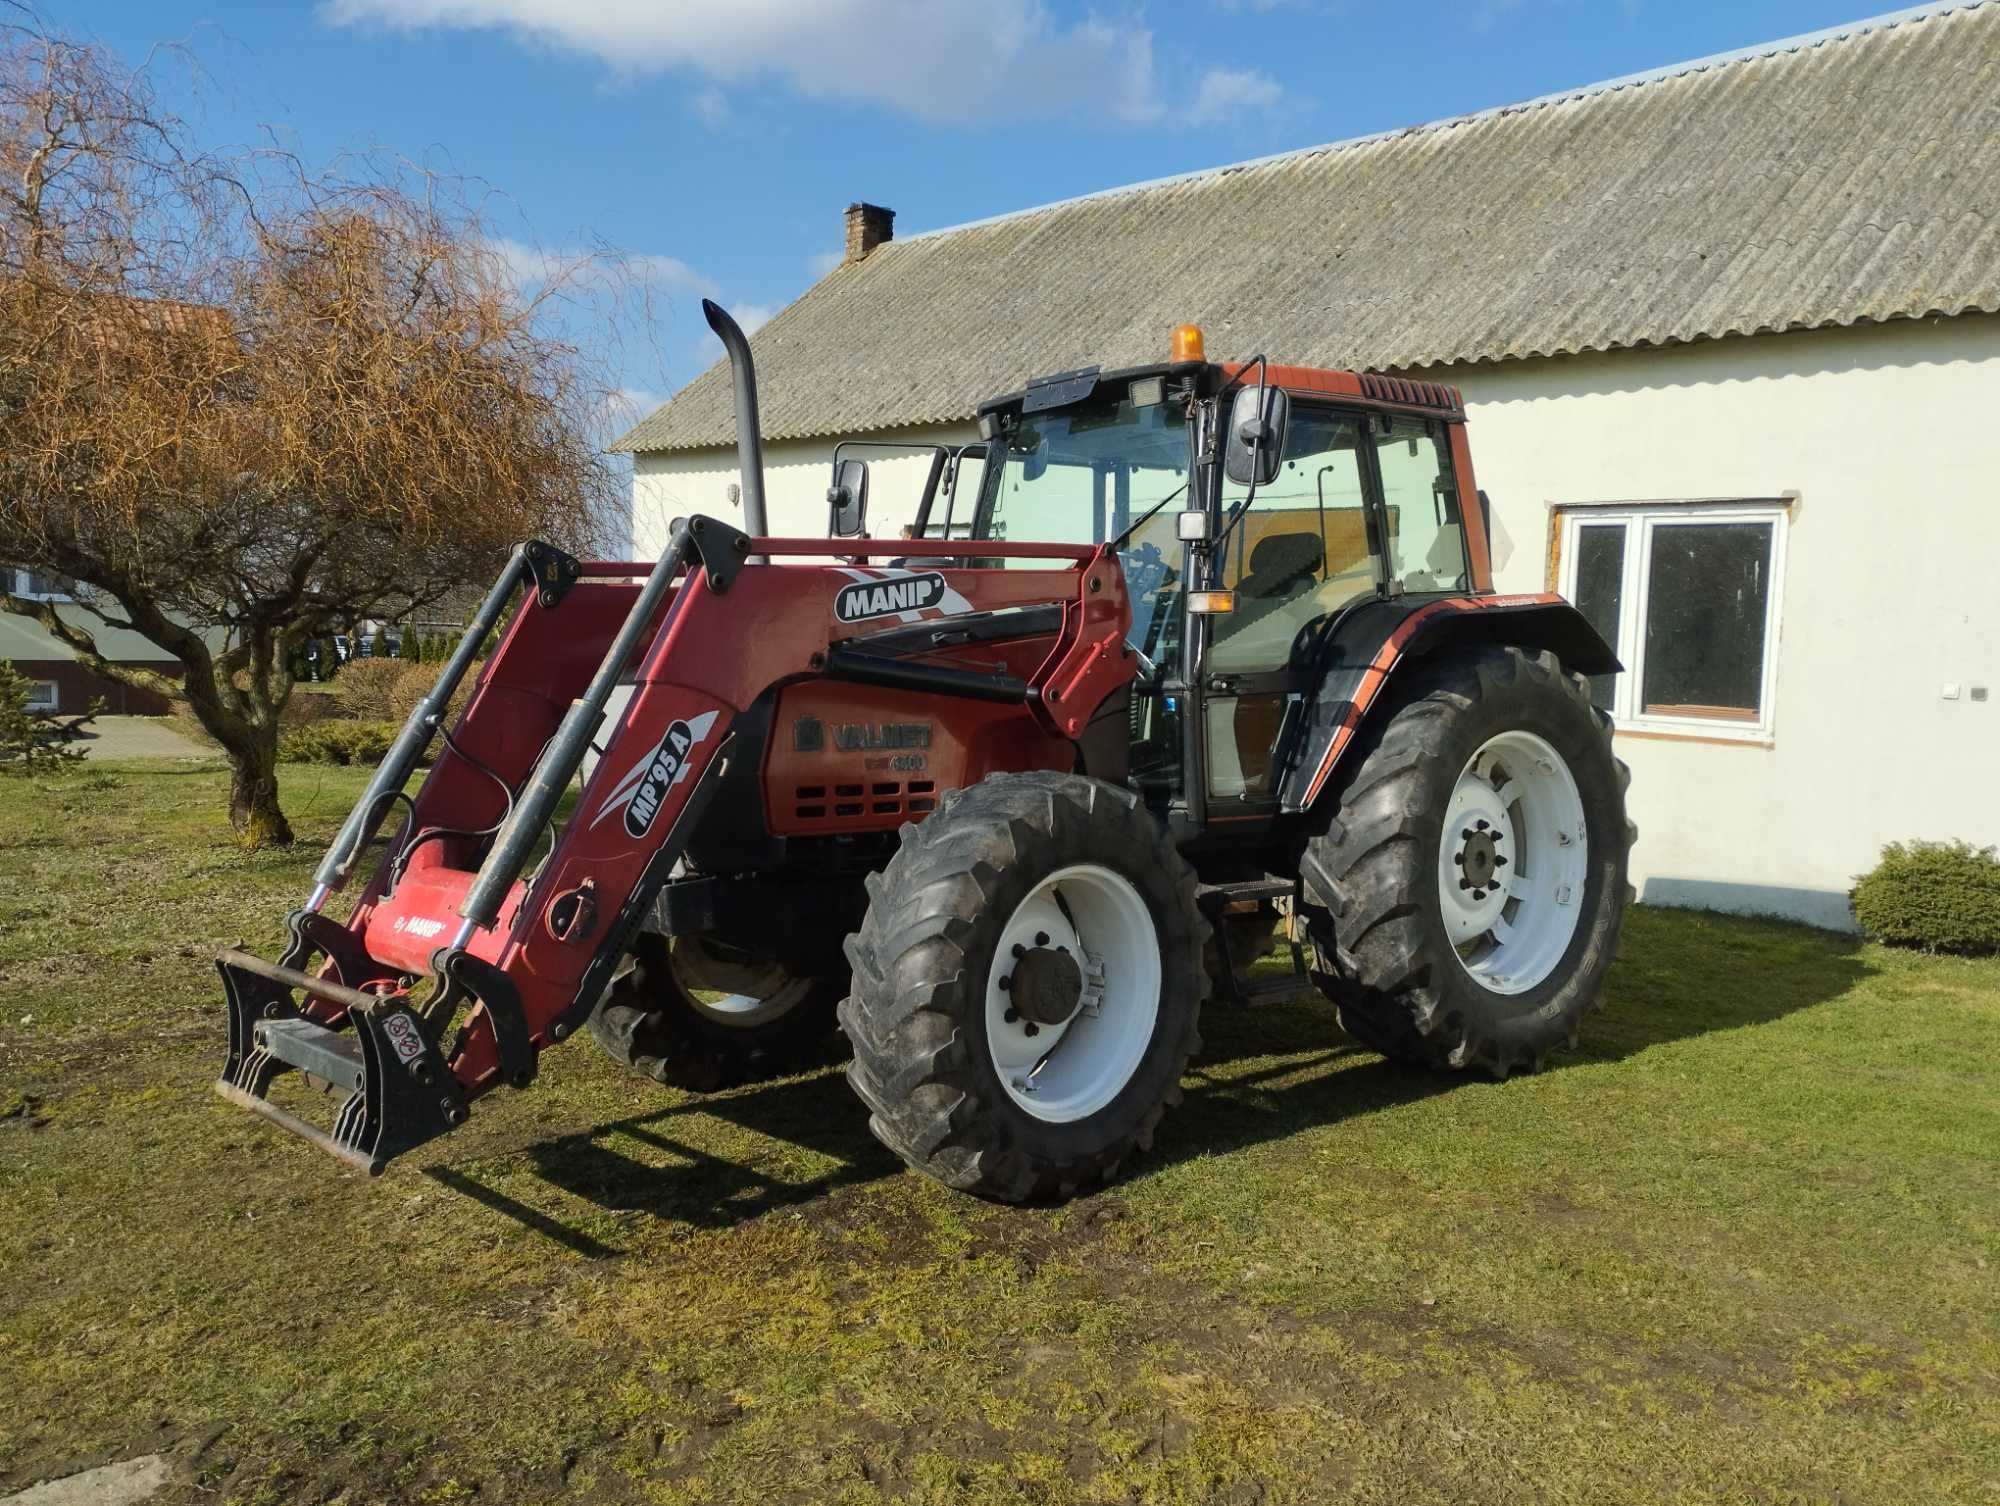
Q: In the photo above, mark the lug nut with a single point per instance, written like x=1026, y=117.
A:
x=1006, y=984
x=1041, y=938
x=1019, y=951
x=1011, y=1016
x=1031, y=1028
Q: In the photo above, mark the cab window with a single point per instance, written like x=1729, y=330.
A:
x=1302, y=550
x=1420, y=498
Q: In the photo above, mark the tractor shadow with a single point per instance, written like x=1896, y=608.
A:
x=707, y=1163
x=1264, y=1073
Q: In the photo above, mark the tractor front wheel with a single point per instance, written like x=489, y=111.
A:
x=1027, y=985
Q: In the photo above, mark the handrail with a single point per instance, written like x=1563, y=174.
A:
x=868, y=548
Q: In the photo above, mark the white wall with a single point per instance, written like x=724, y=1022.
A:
x=1890, y=435
x=796, y=475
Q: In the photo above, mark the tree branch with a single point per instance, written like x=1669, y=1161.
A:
x=80, y=642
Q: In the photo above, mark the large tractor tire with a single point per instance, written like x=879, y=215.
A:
x=1027, y=986
x=1469, y=890
x=686, y=1016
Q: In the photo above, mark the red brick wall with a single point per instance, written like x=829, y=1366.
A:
x=77, y=687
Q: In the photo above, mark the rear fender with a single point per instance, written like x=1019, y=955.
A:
x=1381, y=642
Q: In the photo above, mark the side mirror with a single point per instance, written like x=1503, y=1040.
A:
x=847, y=499
x=1256, y=438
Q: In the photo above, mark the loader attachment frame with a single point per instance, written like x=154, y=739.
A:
x=459, y=963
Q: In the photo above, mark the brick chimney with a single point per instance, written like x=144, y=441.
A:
x=868, y=226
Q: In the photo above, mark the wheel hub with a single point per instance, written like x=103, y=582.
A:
x=1073, y=992
x=1479, y=860
x=1511, y=862
x=1047, y=985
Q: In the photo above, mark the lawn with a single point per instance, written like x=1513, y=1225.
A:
x=1743, y=1246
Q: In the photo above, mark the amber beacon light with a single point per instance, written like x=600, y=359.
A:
x=1187, y=343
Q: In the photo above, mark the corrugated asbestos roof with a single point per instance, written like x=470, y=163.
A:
x=1852, y=175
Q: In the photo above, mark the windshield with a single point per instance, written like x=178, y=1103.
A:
x=1085, y=474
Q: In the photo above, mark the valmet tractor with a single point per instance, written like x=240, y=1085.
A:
x=1204, y=646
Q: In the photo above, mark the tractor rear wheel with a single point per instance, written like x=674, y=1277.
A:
x=689, y=1016
x=1027, y=985
x=1469, y=891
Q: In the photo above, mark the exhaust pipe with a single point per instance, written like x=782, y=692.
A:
x=749, y=437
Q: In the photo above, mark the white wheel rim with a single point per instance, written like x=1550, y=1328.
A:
x=1068, y=1071
x=740, y=995
x=1512, y=862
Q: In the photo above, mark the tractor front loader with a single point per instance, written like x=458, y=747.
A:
x=1172, y=650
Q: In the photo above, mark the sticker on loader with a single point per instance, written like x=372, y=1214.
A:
x=907, y=594
x=643, y=788
x=403, y=1036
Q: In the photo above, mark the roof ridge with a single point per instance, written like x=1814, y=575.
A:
x=1846, y=31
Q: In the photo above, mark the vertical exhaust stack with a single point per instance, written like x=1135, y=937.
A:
x=749, y=437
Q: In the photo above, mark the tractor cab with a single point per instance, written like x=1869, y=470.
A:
x=1253, y=508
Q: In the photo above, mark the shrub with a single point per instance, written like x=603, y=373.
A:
x=365, y=685
x=1942, y=896
x=342, y=742
x=415, y=682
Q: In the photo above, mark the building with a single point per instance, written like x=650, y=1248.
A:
x=57, y=680
x=1729, y=335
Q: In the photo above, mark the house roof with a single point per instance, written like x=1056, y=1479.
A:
x=1827, y=180
x=25, y=640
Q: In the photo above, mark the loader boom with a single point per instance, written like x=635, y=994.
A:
x=459, y=963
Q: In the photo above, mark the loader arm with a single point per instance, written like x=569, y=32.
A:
x=467, y=953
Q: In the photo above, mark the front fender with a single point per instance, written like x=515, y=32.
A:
x=1379, y=641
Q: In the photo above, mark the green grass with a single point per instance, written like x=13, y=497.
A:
x=1743, y=1246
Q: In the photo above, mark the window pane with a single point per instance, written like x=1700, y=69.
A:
x=1301, y=551
x=1600, y=589
x=1707, y=598
x=1422, y=499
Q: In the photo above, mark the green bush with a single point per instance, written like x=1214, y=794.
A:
x=1942, y=896
x=343, y=742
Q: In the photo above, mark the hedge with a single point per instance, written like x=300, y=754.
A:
x=338, y=741
x=1942, y=896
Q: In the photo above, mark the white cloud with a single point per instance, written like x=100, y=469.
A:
x=531, y=266
x=628, y=405
x=946, y=62
x=710, y=106
x=823, y=262
x=1226, y=94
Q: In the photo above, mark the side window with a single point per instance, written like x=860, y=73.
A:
x=1303, y=548
x=1687, y=596
x=1420, y=494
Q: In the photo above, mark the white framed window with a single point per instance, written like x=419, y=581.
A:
x=37, y=587
x=42, y=695
x=1688, y=596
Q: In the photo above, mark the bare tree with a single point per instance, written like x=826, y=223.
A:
x=243, y=405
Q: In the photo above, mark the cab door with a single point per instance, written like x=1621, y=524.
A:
x=1306, y=546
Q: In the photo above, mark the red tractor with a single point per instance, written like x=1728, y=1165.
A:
x=1207, y=646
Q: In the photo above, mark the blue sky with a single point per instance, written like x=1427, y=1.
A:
x=717, y=141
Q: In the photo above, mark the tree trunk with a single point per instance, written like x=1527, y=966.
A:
x=253, y=789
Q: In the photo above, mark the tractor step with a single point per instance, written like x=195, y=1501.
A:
x=375, y=1048
x=1217, y=902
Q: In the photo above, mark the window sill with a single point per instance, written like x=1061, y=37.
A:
x=1720, y=738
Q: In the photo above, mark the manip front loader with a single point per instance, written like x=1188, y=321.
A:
x=1177, y=654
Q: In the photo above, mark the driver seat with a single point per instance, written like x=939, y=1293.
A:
x=1282, y=567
